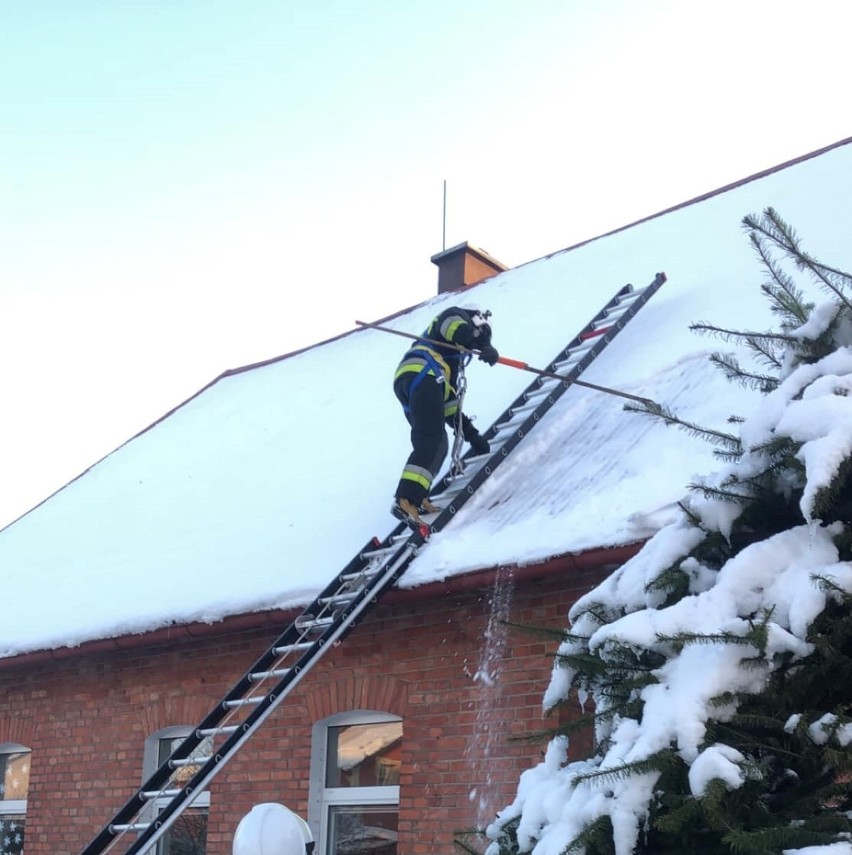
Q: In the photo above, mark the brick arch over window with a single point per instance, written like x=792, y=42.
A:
x=18, y=731
x=174, y=710
x=370, y=692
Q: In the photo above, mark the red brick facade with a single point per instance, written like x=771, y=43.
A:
x=86, y=718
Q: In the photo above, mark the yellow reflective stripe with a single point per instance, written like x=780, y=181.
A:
x=419, y=363
x=435, y=355
x=408, y=366
x=449, y=329
x=417, y=478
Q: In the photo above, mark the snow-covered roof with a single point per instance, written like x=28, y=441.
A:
x=254, y=492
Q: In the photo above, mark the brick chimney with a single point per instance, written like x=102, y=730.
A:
x=464, y=265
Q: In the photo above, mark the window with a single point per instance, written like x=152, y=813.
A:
x=14, y=784
x=188, y=834
x=354, y=806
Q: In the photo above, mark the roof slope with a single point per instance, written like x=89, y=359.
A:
x=254, y=492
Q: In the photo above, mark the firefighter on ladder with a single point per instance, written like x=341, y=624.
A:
x=426, y=384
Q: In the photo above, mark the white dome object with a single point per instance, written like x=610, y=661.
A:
x=271, y=829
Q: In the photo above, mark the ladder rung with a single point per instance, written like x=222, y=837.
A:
x=456, y=483
x=525, y=409
x=453, y=479
x=541, y=389
x=638, y=292
x=160, y=794
x=511, y=425
x=594, y=332
x=583, y=346
x=218, y=731
x=311, y=622
x=573, y=356
x=615, y=314
x=257, y=676
x=339, y=599
x=130, y=826
x=244, y=702
x=565, y=365
x=289, y=648
x=451, y=492
x=365, y=573
x=378, y=553
x=189, y=761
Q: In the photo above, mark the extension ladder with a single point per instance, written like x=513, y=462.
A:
x=337, y=609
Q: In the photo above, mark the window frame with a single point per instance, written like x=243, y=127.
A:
x=321, y=798
x=14, y=807
x=150, y=764
x=150, y=760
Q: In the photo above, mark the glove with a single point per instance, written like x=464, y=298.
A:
x=488, y=353
x=478, y=443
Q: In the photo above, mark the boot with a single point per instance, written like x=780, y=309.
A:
x=428, y=508
x=406, y=508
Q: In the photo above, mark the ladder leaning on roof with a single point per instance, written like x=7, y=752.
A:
x=337, y=608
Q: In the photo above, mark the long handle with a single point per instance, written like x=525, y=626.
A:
x=512, y=363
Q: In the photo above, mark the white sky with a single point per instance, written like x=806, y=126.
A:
x=181, y=184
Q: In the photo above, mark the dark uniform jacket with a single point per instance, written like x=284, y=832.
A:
x=432, y=356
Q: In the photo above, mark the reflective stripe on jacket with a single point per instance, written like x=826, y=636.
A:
x=424, y=359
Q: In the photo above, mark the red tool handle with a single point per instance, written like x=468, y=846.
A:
x=514, y=363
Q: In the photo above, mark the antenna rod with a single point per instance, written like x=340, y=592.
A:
x=444, y=236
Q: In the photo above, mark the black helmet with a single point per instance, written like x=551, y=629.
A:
x=478, y=317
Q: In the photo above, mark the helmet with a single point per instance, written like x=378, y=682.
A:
x=481, y=327
x=272, y=829
x=478, y=317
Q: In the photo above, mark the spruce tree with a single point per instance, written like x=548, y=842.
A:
x=716, y=665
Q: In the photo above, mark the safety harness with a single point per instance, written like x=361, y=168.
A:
x=430, y=364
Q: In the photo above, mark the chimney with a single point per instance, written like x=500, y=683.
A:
x=464, y=265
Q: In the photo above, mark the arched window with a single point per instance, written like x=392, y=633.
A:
x=354, y=798
x=14, y=784
x=188, y=835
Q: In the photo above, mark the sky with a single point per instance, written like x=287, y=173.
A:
x=191, y=186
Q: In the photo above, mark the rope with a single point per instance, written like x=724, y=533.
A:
x=457, y=466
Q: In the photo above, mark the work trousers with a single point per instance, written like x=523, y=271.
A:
x=423, y=403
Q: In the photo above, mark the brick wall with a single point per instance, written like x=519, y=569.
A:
x=86, y=718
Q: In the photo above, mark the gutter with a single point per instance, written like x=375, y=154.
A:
x=588, y=568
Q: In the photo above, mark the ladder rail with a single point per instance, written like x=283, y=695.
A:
x=337, y=608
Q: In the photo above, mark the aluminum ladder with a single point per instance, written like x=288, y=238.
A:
x=338, y=608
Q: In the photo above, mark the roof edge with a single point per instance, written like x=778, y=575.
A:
x=702, y=198
x=590, y=566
